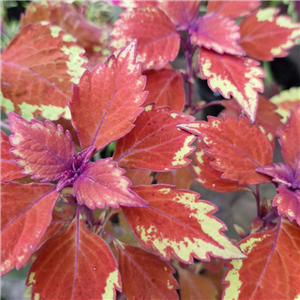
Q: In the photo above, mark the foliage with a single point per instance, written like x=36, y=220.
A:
x=100, y=226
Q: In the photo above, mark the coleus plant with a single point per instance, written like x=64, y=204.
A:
x=96, y=227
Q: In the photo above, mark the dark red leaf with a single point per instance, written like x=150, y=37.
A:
x=206, y=32
x=38, y=67
x=181, y=178
x=9, y=168
x=144, y=275
x=236, y=147
x=290, y=141
x=43, y=150
x=233, y=76
x=264, y=35
x=26, y=212
x=156, y=143
x=92, y=38
x=266, y=115
x=208, y=176
x=165, y=87
x=232, y=8
x=103, y=183
x=270, y=254
x=177, y=223
x=195, y=286
x=288, y=203
x=181, y=13
x=139, y=176
x=76, y=264
x=107, y=101
x=158, y=39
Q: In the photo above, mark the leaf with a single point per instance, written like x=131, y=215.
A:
x=158, y=39
x=266, y=115
x=62, y=14
x=181, y=13
x=177, y=223
x=232, y=8
x=38, y=67
x=270, y=254
x=265, y=36
x=151, y=276
x=236, y=147
x=138, y=176
x=206, y=32
x=194, y=286
x=107, y=101
x=210, y=178
x=165, y=88
x=236, y=76
x=71, y=262
x=103, y=183
x=43, y=150
x=286, y=101
x=288, y=202
x=9, y=168
x=61, y=215
x=290, y=142
x=156, y=143
x=181, y=178
x=26, y=211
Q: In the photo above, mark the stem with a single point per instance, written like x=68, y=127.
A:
x=257, y=197
x=89, y=216
x=4, y=125
x=273, y=214
x=189, y=76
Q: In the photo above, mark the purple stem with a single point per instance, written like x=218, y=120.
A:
x=3, y=124
x=189, y=76
x=89, y=216
x=273, y=214
x=257, y=197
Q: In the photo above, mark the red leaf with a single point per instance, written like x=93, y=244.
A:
x=236, y=76
x=158, y=39
x=144, y=275
x=266, y=115
x=38, y=67
x=181, y=13
x=156, y=143
x=208, y=176
x=290, y=141
x=71, y=262
x=235, y=147
x=165, y=89
x=44, y=151
x=207, y=33
x=107, y=101
x=138, y=176
x=270, y=254
x=288, y=203
x=232, y=8
x=194, y=286
x=265, y=36
x=88, y=36
x=9, y=168
x=61, y=215
x=286, y=101
x=26, y=211
x=103, y=183
x=177, y=223
x=181, y=178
